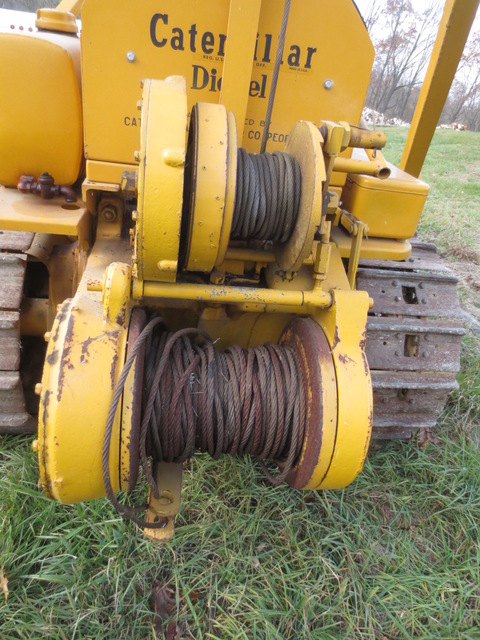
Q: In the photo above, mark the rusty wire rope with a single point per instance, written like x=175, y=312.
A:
x=267, y=196
x=242, y=401
x=276, y=71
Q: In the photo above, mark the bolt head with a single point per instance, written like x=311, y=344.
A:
x=109, y=214
x=131, y=56
x=328, y=84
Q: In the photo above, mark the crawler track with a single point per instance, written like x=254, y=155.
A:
x=414, y=335
x=14, y=417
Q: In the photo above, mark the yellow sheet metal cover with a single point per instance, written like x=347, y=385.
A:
x=124, y=41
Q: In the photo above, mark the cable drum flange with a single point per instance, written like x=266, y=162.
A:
x=206, y=186
x=314, y=358
x=305, y=145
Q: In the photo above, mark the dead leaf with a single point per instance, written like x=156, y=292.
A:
x=194, y=595
x=173, y=632
x=426, y=436
x=163, y=602
x=4, y=583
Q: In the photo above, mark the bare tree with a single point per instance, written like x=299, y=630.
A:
x=403, y=50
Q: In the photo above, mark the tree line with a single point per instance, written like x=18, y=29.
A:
x=403, y=39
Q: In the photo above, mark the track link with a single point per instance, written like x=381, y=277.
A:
x=414, y=335
x=14, y=417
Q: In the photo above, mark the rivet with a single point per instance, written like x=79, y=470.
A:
x=38, y=388
x=131, y=56
x=397, y=299
x=424, y=354
x=328, y=84
x=424, y=301
x=394, y=283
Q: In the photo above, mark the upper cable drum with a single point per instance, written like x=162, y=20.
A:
x=267, y=196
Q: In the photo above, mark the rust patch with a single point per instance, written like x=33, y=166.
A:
x=53, y=357
x=336, y=339
x=61, y=317
x=65, y=362
x=344, y=359
x=43, y=453
x=365, y=364
x=363, y=341
x=120, y=319
x=113, y=368
x=85, y=345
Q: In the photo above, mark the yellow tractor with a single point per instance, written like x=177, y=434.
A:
x=203, y=247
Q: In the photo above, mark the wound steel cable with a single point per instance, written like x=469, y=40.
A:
x=276, y=71
x=267, y=196
x=242, y=401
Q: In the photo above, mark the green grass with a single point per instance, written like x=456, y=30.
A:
x=396, y=555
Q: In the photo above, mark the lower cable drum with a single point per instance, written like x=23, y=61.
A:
x=242, y=401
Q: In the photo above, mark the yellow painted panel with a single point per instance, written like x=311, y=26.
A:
x=107, y=171
x=40, y=107
x=188, y=37
x=19, y=212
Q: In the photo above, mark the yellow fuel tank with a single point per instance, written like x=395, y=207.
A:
x=40, y=106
